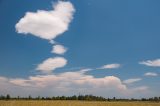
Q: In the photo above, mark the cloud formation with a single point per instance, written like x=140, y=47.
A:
x=51, y=64
x=130, y=81
x=151, y=63
x=47, y=24
x=71, y=83
x=152, y=74
x=110, y=66
x=59, y=49
x=71, y=79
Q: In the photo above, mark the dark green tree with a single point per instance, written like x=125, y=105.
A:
x=8, y=97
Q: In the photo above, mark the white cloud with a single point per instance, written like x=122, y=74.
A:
x=110, y=66
x=20, y=81
x=130, y=81
x=59, y=49
x=141, y=91
x=141, y=88
x=52, y=42
x=151, y=74
x=51, y=64
x=3, y=79
x=69, y=83
x=47, y=24
x=152, y=63
x=72, y=83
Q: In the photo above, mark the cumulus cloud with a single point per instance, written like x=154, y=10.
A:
x=68, y=83
x=151, y=63
x=110, y=66
x=59, y=49
x=130, y=81
x=152, y=74
x=78, y=78
x=73, y=83
x=47, y=24
x=51, y=64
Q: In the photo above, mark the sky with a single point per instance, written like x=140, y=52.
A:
x=102, y=47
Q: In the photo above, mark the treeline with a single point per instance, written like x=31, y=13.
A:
x=79, y=97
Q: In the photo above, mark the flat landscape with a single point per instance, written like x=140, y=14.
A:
x=74, y=103
x=79, y=53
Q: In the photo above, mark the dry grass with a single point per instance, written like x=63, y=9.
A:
x=74, y=103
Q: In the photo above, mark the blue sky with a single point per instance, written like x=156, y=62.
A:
x=105, y=37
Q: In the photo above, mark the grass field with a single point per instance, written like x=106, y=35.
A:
x=75, y=103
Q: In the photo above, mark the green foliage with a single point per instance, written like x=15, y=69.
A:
x=8, y=97
x=79, y=97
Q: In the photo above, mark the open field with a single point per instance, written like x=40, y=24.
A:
x=74, y=103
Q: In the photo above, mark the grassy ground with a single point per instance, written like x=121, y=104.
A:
x=75, y=103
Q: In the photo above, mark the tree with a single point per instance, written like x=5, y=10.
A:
x=29, y=97
x=155, y=98
x=8, y=97
x=2, y=97
x=114, y=98
x=74, y=97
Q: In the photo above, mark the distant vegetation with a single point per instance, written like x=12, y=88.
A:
x=80, y=97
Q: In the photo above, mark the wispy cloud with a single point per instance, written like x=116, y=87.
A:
x=51, y=64
x=132, y=80
x=110, y=66
x=152, y=74
x=151, y=63
x=140, y=89
x=47, y=24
